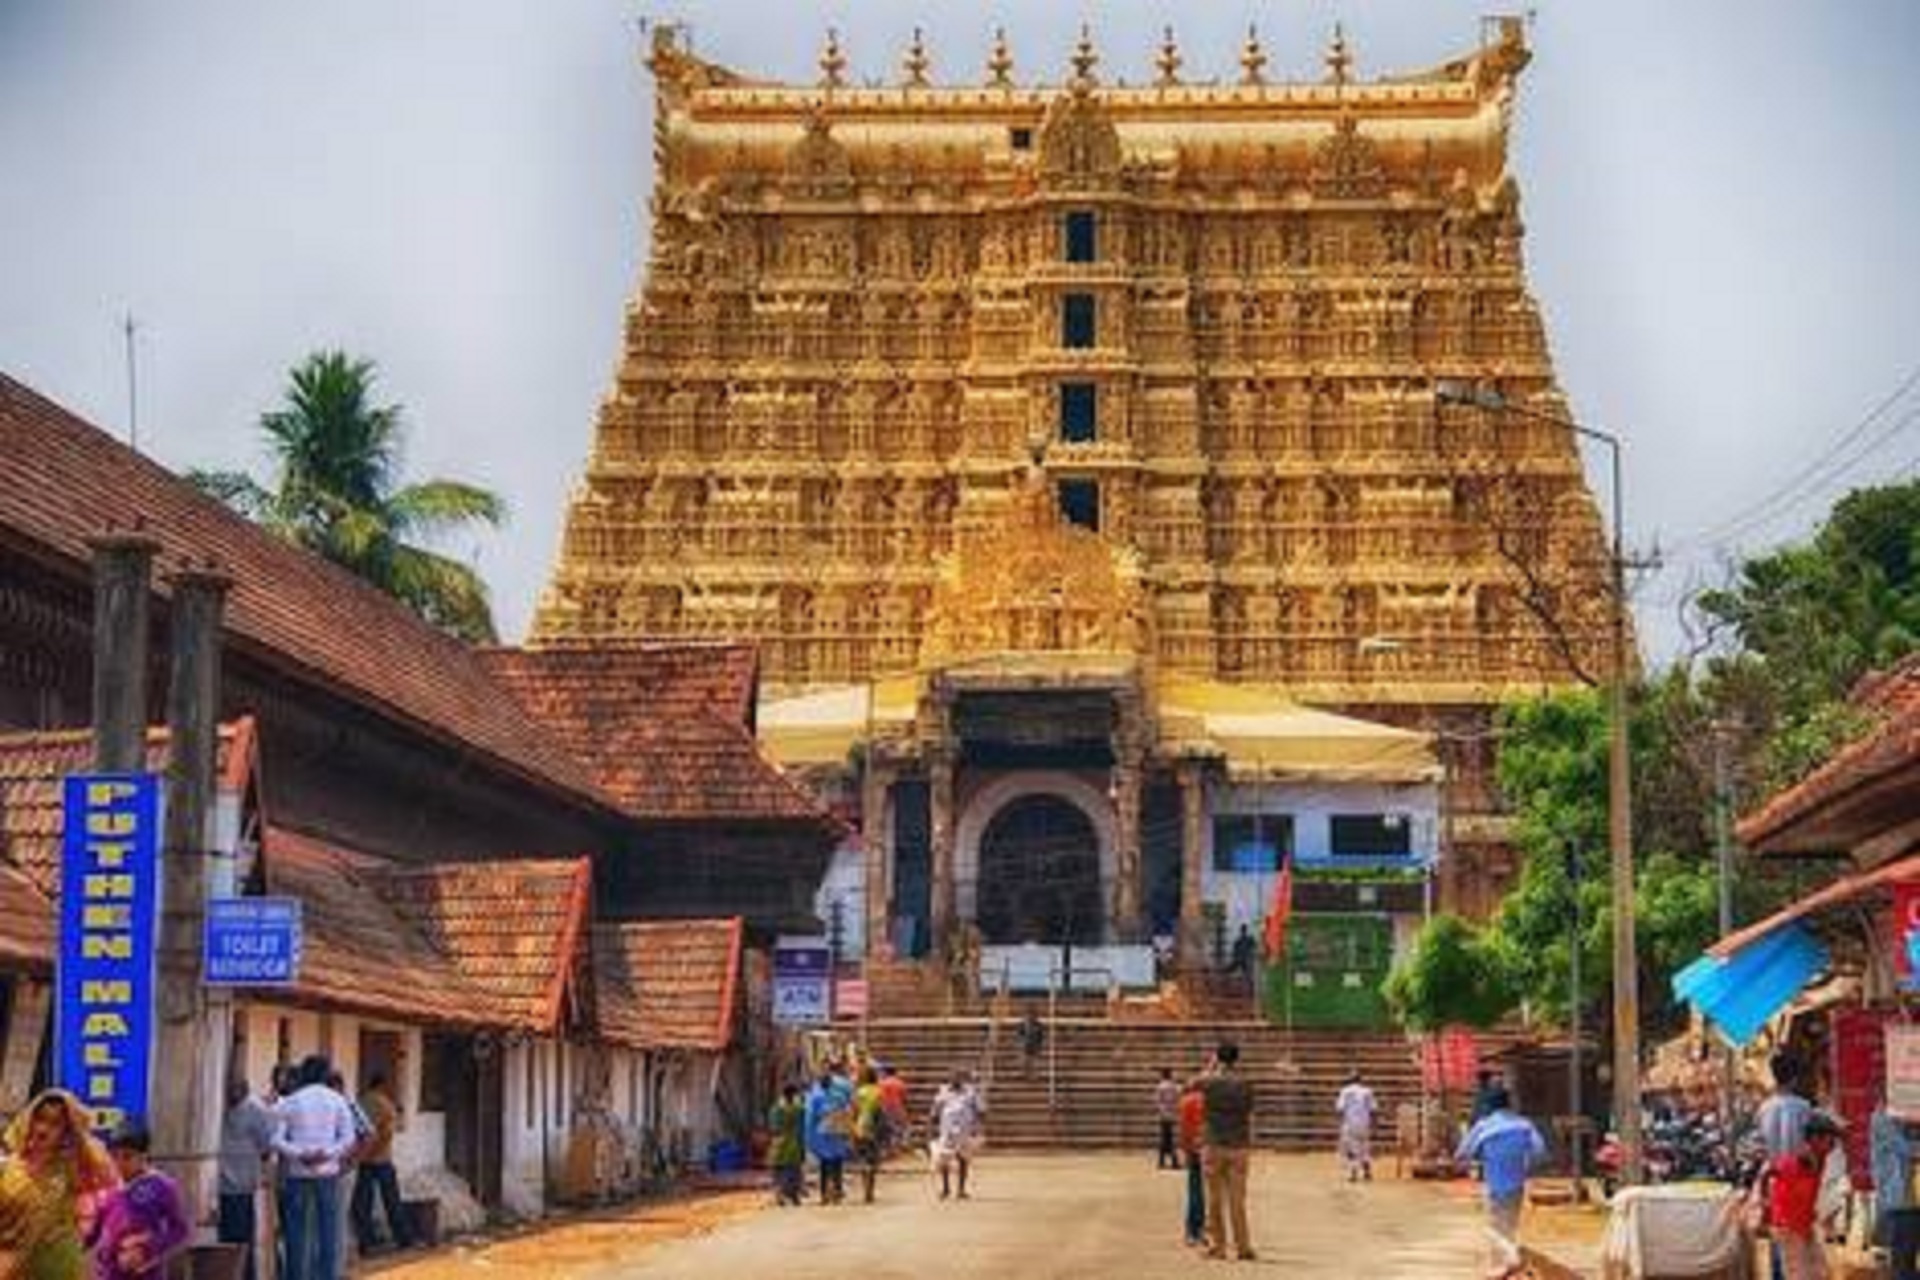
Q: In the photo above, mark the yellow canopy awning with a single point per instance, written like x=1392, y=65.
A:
x=1258, y=731
x=824, y=727
x=1262, y=732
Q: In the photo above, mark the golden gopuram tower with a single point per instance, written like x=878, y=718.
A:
x=1216, y=313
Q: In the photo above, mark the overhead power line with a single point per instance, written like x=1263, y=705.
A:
x=1838, y=458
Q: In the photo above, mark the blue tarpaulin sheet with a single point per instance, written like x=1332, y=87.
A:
x=1739, y=993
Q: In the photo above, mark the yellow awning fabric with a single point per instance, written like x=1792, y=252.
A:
x=1262, y=732
x=1259, y=731
x=824, y=727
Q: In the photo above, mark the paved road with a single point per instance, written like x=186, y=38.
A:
x=1101, y=1217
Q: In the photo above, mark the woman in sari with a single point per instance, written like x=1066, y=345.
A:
x=49, y=1175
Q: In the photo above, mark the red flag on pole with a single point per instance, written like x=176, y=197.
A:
x=1282, y=907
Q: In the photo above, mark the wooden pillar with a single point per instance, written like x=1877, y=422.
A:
x=940, y=802
x=25, y=1035
x=1193, y=816
x=876, y=834
x=1129, y=768
x=190, y=1042
x=122, y=581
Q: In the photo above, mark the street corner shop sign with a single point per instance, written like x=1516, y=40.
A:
x=802, y=982
x=109, y=893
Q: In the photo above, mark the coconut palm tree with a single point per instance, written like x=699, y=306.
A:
x=338, y=494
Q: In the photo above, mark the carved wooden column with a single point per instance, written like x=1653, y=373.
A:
x=940, y=802
x=1193, y=814
x=1129, y=762
x=876, y=834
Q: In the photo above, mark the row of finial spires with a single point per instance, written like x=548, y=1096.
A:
x=1167, y=63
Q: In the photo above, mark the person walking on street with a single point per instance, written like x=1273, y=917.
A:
x=313, y=1137
x=1193, y=1134
x=246, y=1142
x=830, y=1132
x=1356, y=1107
x=869, y=1130
x=143, y=1223
x=1166, y=1108
x=956, y=1125
x=1229, y=1102
x=893, y=1095
x=788, y=1152
x=1507, y=1146
x=1033, y=1042
x=51, y=1169
x=1791, y=1188
x=376, y=1172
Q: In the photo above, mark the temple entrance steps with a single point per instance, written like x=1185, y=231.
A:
x=1105, y=1073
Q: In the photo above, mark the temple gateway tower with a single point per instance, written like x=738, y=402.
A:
x=1073, y=455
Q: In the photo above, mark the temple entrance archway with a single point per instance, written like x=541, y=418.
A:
x=1039, y=877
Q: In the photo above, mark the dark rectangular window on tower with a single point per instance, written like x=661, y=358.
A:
x=1077, y=321
x=1080, y=503
x=1079, y=412
x=1082, y=237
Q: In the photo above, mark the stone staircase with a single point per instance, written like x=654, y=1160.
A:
x=1105, y=1072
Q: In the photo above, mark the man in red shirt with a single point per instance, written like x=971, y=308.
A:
x=1193, y=1136
x=1793, y=1201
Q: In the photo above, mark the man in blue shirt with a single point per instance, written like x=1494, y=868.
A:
x=1507, y=1146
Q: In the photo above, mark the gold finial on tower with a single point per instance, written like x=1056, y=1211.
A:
x=1168, y=61
x=833, y=61
x=1084, y=59
x=1253, y=58
x=1339, y=57
x=1000, y=61
x=917, y=63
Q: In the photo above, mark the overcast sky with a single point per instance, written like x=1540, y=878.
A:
x=1722, y=203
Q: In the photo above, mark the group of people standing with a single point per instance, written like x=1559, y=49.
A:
x=1206, y=1128
x=861, y=1115
x=304, y=1140
x=72, y=1207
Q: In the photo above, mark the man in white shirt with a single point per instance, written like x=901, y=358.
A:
x=1356, y=1107
x=313, y=1135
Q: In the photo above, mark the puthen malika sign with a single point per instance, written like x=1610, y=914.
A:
x=109, y=892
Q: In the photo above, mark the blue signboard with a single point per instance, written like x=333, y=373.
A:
x=802, y=982
x=252, y=942
x=109, y=889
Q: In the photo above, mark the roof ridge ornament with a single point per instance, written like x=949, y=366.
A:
x=1000, y=61
x=1339, y=58
x=1168, y=62
x=1253, y=58
x=833, y=62
x=917, y=63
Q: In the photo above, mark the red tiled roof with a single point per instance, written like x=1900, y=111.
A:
x=666, y=728
x=1892, y=745
x=512, y=929
x=668, y=984
x=1845, y=890
x=35, y=763
x=28, y=934
x=63, y=481
x=357, y=951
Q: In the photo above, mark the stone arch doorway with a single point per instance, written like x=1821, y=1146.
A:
x=1039, y=874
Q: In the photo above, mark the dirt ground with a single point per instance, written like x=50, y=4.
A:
x=1055, y=1217
x=584, y=1247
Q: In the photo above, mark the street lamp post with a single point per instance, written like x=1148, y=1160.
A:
x=1626, y=992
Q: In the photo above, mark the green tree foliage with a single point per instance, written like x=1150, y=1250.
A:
x=1451, y=976
x=1799, y=626
x=337, y=492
